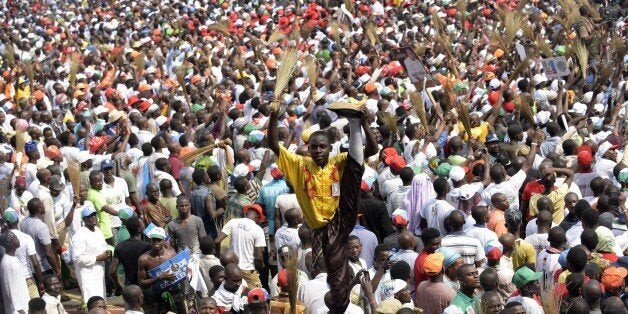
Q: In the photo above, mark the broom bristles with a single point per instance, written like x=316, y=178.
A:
x=190, y=158
x=349, y=6
x=275, y=36
x=334, y=29
x=139, y=63
x=391, y=122
x=551, y=301
x=10, y=53
x=74, y=66
x=417, y=103
x=20, y=140
x=288, y=62
x=512, y=22
x=74, y=172
x=371, y=33
x=439, y=25
x=543, y=46
x=518, y=70
x=583, y=58
x=524, y=103
x=181, y=73
x=312, y=69
x=220, y=27
x=293, y=283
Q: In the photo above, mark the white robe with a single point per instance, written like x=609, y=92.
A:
x=90, y=273
x=14, y=289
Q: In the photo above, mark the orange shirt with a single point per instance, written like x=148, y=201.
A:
x=497, y=222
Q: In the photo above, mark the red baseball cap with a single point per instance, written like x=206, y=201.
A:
x=258, y=209
x=258, y=295
x=389, y=151
x=396, y=162
x=276, y=173
x=585, y=158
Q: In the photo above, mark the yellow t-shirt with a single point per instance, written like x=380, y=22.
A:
x=479, y=132
x=558, y=200
x=313, y=185
x=523, y=254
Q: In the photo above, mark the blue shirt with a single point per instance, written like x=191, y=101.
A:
x=267, y=197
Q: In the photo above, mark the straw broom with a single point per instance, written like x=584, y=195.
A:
x=391, y=122
x=371, y=33
x=543, y=46
x=439, y=25
x=519, y=69
x=288, y=62
x=583, y=57
x=275, y=36
x=10, y=54
x=293, y=283
x=74, y=172
x=220, y=27
x=190, y=158
x=334, y=29
x=595, y=13
x=551, y=301
x=417, y=103
x=349, y=6
x=181, y=73
x=461, y=6
x=312, y=70
x=74, y=66
x=20, y=140
x=512, y=22
x=139, y=63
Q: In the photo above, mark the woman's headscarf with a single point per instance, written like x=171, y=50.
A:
x=421, y=191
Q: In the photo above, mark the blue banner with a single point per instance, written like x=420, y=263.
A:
x=178, y=265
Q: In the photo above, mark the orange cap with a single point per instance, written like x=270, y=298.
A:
x=38, y=95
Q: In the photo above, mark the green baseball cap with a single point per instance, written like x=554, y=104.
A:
x=525, y=275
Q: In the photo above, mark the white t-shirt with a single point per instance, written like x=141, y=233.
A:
x=539, y=241
x=246, y=235
x=485, y=235
x=23, y=253
x=286, y=236
x=14, y=290
x=547, y=263
x=435, y=211
x=508, y=187
x=116, y=195
x=285, y=202
x=160, y=175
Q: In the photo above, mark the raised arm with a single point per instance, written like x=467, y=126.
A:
x=273, y=142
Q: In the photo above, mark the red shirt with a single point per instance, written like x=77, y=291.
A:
x=532, y=188
x=419, y=272
x=175, y=166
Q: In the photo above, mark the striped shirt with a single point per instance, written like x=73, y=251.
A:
x=469, y=248
x=396, y=198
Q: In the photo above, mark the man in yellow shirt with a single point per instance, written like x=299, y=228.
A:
x=328, y=191
x=557, y=196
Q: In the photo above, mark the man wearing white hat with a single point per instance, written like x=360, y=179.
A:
x=90, y=254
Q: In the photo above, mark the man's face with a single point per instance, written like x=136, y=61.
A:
x=208, y=306
x=96, y=182
x=233, y=281
x=433, y=245
x=218, y=278
x=502, y=202
x=19, y=189
x=152, y=192
x=492, y=305
x=475, y=120
x=101, y=304
x=470, y=278
x=570, y=201
x=54, y=192
x=53, y=287
x=319, y=150
x=90, y=221
x=157, y=244
x=183, y=206
x=108, y=172
x=381, y=258
x=355, y=248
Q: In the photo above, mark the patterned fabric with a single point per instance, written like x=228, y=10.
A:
x=235, y=204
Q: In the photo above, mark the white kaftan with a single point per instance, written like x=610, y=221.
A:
x=90, y=274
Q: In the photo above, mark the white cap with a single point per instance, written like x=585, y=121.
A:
x=456, y=173
x=161, y=120
x=494, y=83
x=542, y=117
x=241, y=170
x=578, y=108
x=538, y=79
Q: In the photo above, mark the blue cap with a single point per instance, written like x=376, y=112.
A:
x=492, y=138
x=88, y=211
x=562, y=259
x=10, y=216
x=451, y=256
x=106, y=164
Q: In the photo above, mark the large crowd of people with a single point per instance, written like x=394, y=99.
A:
x=272, y=156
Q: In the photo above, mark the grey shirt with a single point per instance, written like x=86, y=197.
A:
x=187, y=233
x=38, y=230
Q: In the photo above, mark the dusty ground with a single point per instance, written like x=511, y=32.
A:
x=114, y=305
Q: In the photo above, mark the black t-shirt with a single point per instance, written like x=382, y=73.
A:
x=128, y=252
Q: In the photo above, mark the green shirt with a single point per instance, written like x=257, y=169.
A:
x=170, y=203
x=464, y=303
x=104, y=220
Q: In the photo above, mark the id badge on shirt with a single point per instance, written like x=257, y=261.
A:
x=335, y=189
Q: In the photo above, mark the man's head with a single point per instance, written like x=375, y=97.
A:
x=544, y=203
x=456, y=220
x=95, y=180
x=592, y=293
x=217, y=275
x=441, y=186
x=527, y=281
x=207, y=306
x=571, y=199
x=491, y=302
x=233, y=277
x=229, y=257
x=354, y=247
x=293, y=217
x=508, y=242
x=431, y=239
x=152, y=192
x=133, y=297
x=480, y=214
x=319, y=148
x=96, y=302
x=489, y=279
x=467, y=276
x=287, y=254
x=183, y=206
x=381, y=254
x=52, y=285
x=589, y=239
x=557, y=238
x=35, y=207
x=500, y=201
x=406, y=240
x=206, y=245
x=576, y=259
x=37, y=306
